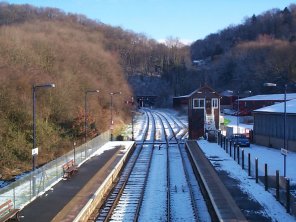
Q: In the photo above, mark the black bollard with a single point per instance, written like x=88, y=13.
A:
x=238, y=160
x=277, y=178
x=249, y=164
x=243, y=159
x=265, y=177
x=288, y=195
x=256, y=169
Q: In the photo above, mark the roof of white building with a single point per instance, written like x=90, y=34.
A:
x=270, y=97
x=279, y=108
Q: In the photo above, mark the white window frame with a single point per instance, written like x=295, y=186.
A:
x=198, y=103
x=215, y=103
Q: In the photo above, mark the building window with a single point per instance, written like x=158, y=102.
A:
x=198, y=103
x=215, y=103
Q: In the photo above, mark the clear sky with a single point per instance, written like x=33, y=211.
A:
x=187, y=20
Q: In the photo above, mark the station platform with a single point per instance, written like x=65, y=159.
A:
x=222, y=201
x=64, y=201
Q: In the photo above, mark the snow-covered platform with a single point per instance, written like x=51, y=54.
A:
x=224, y=206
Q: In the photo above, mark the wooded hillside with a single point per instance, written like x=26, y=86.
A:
x=69, y=54
x=243, y=57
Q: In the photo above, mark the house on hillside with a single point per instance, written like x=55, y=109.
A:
x=269, y=125
x=203, y=112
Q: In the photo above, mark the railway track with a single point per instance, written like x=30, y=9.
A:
x=179, y=189
x=149, y=188
x=128, y=192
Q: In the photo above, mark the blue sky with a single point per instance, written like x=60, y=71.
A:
x=187, y=20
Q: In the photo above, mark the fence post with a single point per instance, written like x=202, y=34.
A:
x=266, y=176
x=288, y=194
x=14, y=197
x=243, y=159
x=249, y=164
x=256, y=169
x=31, y=186
x=226, y=147
x=218, y=139
x=238, y=154
x=277, y=178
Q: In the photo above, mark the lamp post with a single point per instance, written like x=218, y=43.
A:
x=111, y=110
x=285, y=122
x=35, y=149
x=85, y=111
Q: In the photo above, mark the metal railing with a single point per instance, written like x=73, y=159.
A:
x=35, y=183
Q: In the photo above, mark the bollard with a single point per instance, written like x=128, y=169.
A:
x=230, y=145
x=221, y=140
x=265, y=177
x=238, y=154
x=224, y=145
x=243, y=159
x=249, y=164
x=288, y=195
x=277, y=178
x=218, y=140
x=234, y=152
x=226, y=148
x=256, y=169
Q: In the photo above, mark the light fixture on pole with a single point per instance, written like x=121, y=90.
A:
x=284, y=151
x=111, y=110
x=85, y=111
x=35, y=149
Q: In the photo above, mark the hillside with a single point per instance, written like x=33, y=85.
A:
x=74, y=57
x=243, y=57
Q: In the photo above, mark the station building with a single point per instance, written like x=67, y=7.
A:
x=203, y=112
x=269, y=125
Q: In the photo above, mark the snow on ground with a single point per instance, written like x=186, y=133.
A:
x=155, y=192
x=256, y=191
x=125, y=145
x=233, y=123
x=271, y=156
x=179, y=193
x=274, y=160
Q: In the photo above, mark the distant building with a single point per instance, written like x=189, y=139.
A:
x=227, y=99
x=180, y=102
x=269, y=125
x=146, y=100
x=248, y=104
x=203, y=111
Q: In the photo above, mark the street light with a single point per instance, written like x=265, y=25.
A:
x=285, y=120
x=111, y=110
x=35, y=149
x=85, y=111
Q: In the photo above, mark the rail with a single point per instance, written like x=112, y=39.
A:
x=185, y=171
